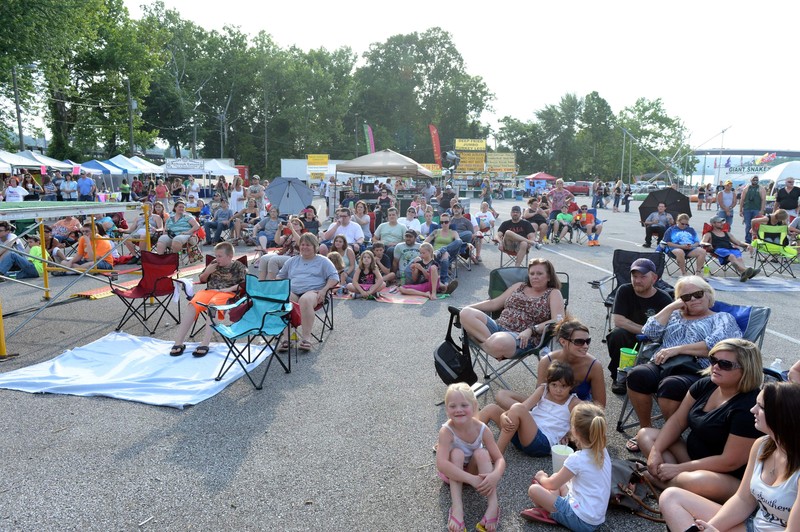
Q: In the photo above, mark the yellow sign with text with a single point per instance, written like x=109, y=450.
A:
x=433, y=167
x=470, y=144
x=317, y=159
x=501, y=162
x=471, y=161
x=316, y=177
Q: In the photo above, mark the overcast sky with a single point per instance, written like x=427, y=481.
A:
x=714, y=64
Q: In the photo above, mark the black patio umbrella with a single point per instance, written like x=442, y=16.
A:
x=676, y=203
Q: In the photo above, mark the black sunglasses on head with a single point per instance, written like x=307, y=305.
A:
x=724, y=365
x=696, y=295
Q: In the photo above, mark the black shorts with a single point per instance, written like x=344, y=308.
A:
x=646, y=378
x=538, y=219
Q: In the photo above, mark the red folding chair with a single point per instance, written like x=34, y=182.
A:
x=153, y=293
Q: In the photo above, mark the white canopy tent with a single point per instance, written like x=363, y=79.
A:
x=17, y=161
x=146, y=166
x=44, y=160
x=215, y=167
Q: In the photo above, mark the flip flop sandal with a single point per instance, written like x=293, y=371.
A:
x=201, y=351
x=177, y=350
x=632, y=445
x=481, y=526
x=304, y=345
x=283, y=347
x=459, y=524
x=537, y=514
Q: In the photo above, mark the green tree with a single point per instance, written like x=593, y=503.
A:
x=597, y=142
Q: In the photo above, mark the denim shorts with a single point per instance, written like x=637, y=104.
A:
x=540, y=446
x=565, y=516
x=495, y=328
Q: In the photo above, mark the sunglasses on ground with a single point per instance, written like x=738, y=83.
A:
x=580, y=342
x=694, y=295
x=724, y=365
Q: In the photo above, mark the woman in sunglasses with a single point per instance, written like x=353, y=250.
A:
x=687, y=326
x=716, y=410
x=768, y=492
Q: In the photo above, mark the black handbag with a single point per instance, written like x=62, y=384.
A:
x=452, y=361
x=631, y=489
x=677, y=365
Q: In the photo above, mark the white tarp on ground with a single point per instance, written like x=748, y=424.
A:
x=132, y=368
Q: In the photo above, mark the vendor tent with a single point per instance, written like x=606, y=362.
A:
x=147, y=166
x=129, y=167
x=81, y=168
x=4, y=168
x=215, y=167
x=17, y=161
x=44, y=160
x=541, y=176
x=104, y=167
x=779, y=172
x=384, y=163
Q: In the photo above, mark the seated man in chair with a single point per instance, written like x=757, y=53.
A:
x=633, y=305
x=657, y=224
x=516, y=235
x=681, y=242
x=312, y=276
x=726, y=247
x=586, y=222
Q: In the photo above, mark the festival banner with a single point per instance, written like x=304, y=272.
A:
x=437, y=148
x=471, y=161
x=316, y=162
x=433, y=167
x=370, y=138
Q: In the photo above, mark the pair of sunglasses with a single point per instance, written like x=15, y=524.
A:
x=694, y=295
x=724, y=365
x=580, y=342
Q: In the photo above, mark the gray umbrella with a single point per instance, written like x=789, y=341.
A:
x=289, y=195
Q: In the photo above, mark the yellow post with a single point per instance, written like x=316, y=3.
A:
x=146, y=210
x=45, y=274
x=3, y=353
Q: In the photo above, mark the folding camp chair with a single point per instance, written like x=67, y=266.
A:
x=751, y=320
x=714, y=262
x=154, y=291
x=239, y=294
x=770, y=253
x=491, y=369
x=509, y=258
x=621, y=268
x=324, y=314
x=267, y=318
x=578, y=233
x=671, y=263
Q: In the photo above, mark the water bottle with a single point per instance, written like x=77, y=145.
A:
x=777, y=365
x=559, y=318
x=706, y=270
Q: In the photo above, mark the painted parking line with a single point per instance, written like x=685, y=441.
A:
x=573, y=259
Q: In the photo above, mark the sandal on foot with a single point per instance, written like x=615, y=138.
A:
x=482, y=525
x=304, y=345
x=177, y=350
x=459, y=524
x=443, y=477
x=537, y=514
x=632, y=445
x=283, y=347
x=201, y=351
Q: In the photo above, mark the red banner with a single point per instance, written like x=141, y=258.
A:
x=437, y=149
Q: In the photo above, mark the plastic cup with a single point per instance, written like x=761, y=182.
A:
x=559, y=453
x=627, y=357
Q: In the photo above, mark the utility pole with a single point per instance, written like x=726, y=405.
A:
x=266, y=132
x=222, y=135
x=356, y=134
x=194, y=140
x=130, y=116
x=19, y=112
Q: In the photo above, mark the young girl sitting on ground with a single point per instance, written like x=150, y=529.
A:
x=424, y=274
x=465, y=454
x=367, y=277
x=338, y=263
x=542, y=420
x=577, y=495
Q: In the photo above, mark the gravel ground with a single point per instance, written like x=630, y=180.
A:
x=341, y=443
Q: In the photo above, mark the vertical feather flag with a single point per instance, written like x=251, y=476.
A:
x=728, y=163
x=437, y=148
x=370, y=138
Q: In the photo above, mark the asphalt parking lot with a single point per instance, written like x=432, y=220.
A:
x=341, y=443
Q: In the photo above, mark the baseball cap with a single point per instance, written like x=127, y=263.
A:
x=516, y=208
x=717, y=219
x=643, y=266
x=448, y=186
x=411, y=232
x=728, y=182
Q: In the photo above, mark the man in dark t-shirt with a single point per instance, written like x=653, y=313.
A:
x=788, y=197
x=516, y=235
x=633, y=305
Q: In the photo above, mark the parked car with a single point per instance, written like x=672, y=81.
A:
x=579, y=188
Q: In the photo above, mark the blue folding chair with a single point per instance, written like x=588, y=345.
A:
x=268, y=317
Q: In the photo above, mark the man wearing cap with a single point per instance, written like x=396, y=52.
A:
x=256, y=191
x=633, y=305
x=445, y=198
x=788, y=197
x=657, y=224
x=404, y=253
x=86, y=187
x=726, y=248
x=516, y=235
x=753, y=205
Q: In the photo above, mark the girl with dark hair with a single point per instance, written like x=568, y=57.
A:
x=768, y=491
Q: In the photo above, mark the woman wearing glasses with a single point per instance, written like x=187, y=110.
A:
x=769, y=491
x=687, y=326
x=712, y=459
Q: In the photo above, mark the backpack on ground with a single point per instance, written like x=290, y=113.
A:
x=452, y=361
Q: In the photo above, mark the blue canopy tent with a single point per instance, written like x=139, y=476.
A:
x=109, y=171
x=79, y=166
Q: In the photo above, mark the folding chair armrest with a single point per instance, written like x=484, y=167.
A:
x=225, y=307
x=600, y=282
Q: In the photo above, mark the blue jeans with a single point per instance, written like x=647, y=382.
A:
x=728, y=219
x=26, y=267
x=565, y=516
x=749, y=214
x=453, y=248
x=217, y=228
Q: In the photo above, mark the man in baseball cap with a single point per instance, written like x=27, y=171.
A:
x=633, y=305
x=516, y=236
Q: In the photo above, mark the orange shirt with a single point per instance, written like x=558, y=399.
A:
x=101, y=247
